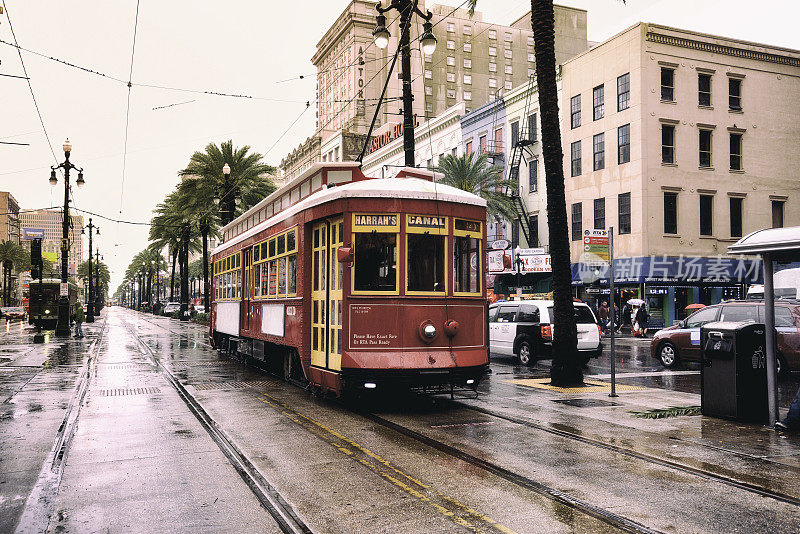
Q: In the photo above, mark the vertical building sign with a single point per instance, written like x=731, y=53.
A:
x=360, y=107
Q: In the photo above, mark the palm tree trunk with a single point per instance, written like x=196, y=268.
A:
x=206, y=303
x=567, y=367
x=172, y=276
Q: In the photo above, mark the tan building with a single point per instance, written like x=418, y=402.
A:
x=474, y=62
x=9, y=218
x=683, y=142
x=49, y=221
x=300, y=159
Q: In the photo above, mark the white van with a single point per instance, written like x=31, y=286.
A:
x=525, y=329
x=786, y=285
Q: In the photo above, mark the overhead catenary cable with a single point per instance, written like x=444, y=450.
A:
x=128, y=110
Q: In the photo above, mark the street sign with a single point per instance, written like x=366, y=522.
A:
x=500, y=244
x=531, y=251
x=595, y=242
x=64, y=289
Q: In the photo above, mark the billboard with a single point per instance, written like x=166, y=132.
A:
x=533, y=261
x=29, y=234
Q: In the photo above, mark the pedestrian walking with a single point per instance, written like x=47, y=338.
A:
x=79, y=318
x=640, y=322
x=603, y=313
x=792, y=420
x=626, y=317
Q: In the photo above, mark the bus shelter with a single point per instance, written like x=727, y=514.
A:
x=774, y=245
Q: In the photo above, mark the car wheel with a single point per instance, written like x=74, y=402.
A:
x=668, y=355
x=524, y=353
x=782, y=370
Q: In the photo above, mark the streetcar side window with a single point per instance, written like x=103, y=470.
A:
x=425, y=265
x=291, y=284
x=375, y=263
x=257, y=281
x=466, y=265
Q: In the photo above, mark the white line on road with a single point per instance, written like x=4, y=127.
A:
x=650, y=373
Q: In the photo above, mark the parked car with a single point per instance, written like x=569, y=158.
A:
x=171, y=307
x=681, y=341
x=199, y=308
x=13, y=312
x=525, y=329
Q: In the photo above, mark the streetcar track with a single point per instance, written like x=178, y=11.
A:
x=702, y=473
x=560, y=496
x=286, y=518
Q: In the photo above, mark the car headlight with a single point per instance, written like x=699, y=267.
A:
x=47, y=312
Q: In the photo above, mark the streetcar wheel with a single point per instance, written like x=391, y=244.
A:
x=524, y=353
x=668, y=355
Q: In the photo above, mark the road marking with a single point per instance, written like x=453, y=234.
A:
x=648, y=374
x=594, y=386
x=458, y=513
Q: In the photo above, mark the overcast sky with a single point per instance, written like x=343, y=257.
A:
x=238, y=47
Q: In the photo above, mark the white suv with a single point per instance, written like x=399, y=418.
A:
x=525, y=329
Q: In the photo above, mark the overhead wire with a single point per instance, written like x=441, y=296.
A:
x=128, y=109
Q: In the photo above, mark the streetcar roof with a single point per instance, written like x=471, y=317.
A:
x=411, y=188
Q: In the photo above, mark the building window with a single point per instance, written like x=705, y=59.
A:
x=599, y=151
x=575, y=157
x=467, y=63
x=492, y=67
x=514, y=133
x=507, y=53
x=667, y=84
x=451, y=77
x=451, y=93
x=624, y=210
x=467, y=95
x=468, y=79
x=623, y=91
x=451, y=61
x=467, y=47
x=498, y=140
x=482, y=142
x=624, y=144
x=492, y=51
x=509, y=85
x=705, y=148
x=670, y=213
x=531, y=73
x=668, y=144
x=703, y=89
x=508, y=69
x=577, y=221
x=534, y=228
x=598, y=98
x=493, y=82
x=575, y=111
x=532, y=127
x=533, y=182
x=736, y=151
x=428, y=74
x=451, y=45
x=735, y=94
x=530, y=41
x=467, y=30
x=468, y=148
x=599, y=214
x=428, y=90
x=531, y=57
x=492, y=34
x=777, y=213
x=429, y=107
x=736, y=216
x=451, y=27
x=706, y=214
x=508, y=37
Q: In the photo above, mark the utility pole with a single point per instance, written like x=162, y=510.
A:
x=185, y=274
x=90, y=299
x=98, y=284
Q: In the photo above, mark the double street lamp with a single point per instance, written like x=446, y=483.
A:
x=63, y=324
x=406, y=8
x=90, y=299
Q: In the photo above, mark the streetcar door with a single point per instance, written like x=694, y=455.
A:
x=326, y=295
x=247, y=285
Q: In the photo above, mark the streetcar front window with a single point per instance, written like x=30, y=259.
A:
x=466, y=265
x=375, y=263
x=425, y=267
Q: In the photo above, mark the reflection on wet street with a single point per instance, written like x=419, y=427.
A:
x=151, y=429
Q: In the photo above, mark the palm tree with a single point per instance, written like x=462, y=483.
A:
x=12, y=257
x=248, y=182
x=475, y=175
x=165, y=230
x=105, y=274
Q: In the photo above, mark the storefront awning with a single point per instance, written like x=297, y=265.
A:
x=671, y=270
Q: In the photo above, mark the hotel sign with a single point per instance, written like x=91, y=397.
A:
x=384, y=138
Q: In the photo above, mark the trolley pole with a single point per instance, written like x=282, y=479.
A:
x=612, y=298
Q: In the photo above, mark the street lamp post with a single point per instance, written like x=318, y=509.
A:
x=227, y=200
x=406, y=8
x=63, y=324
x=518, y=261
x=98, y=283
x=90, y=298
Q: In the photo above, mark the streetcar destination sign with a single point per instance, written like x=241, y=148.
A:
x=426, y=221
x=374, y=220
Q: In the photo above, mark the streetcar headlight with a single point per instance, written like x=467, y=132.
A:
x=429, y=331
x=470, y=381
x=370, y=385
x=47, y=312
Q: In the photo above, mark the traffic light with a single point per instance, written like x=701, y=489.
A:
x=36, y=258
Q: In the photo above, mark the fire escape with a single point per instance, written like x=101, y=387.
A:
x=520, y=146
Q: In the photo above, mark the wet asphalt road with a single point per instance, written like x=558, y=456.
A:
x=140, y=461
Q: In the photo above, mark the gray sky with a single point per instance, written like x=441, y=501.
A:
x=236, y=47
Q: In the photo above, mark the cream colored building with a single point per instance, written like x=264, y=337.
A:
x=693, y=144
x=50, y=222
x=474, y=62
x=9, y=218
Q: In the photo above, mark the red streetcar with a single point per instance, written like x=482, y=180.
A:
x=348, y=282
